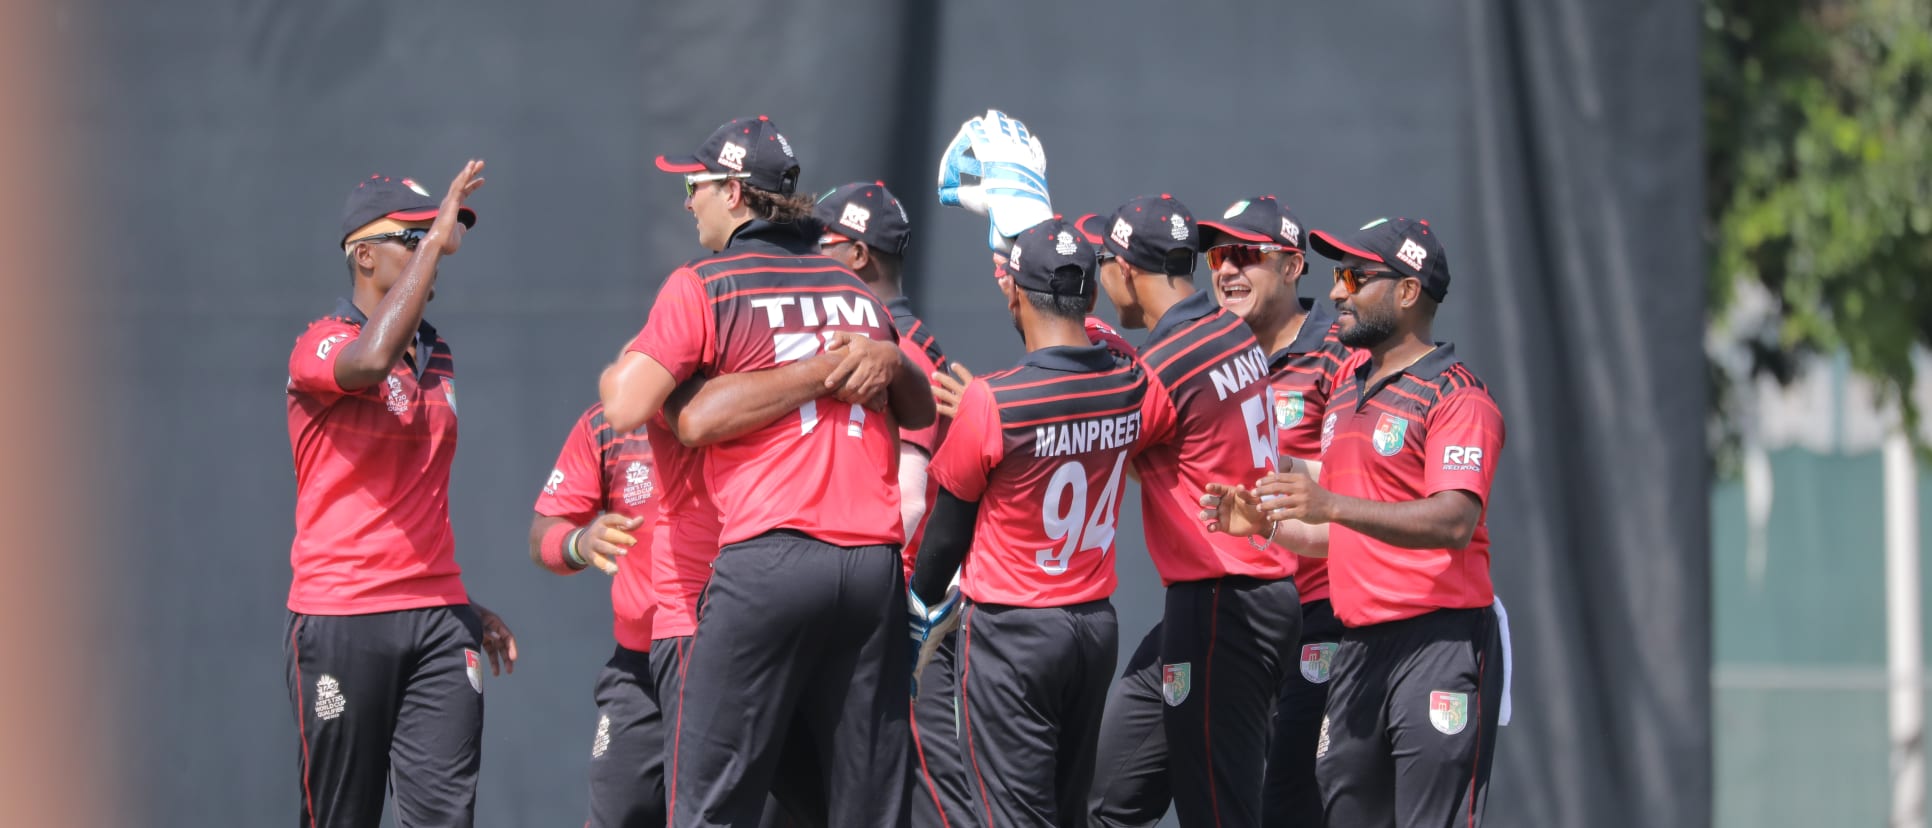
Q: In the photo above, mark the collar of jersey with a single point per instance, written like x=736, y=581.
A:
x=1430, y=366
x=1195, y=306
x=1314, y=330
x=1076, y=359
x=786, y=238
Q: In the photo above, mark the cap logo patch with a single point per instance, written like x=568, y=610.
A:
x=1122, y=232
x=855, y=217
x=732, y=156
x=1013, y=261
x=1411, y=254
x=1291, y=232
x=1177, y=227
x=1238, y=208
x=415, y=187
x=1064, y=244
x=784, y=145
x=1375, y=222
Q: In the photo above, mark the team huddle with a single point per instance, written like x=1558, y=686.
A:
x=856, y=585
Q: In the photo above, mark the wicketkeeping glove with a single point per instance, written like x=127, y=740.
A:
x=930, y=626
x=996, y=168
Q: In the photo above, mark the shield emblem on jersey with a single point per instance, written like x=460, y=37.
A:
x=1317, y=660
x=1288, y=408
x=1176, y=681
x=1389, y=432
x=449, y=393
x=1449, y=712
x=473, y=665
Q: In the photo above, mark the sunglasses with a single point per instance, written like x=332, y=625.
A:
x=409, y=238
x=692, y=180
x=1101, y=256
x=1243, y=255
x=1353, y=278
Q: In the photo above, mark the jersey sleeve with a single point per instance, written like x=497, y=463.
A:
x=926, y=439
x=575, y=489
x=311, y=366
x=1463, y=444
x=679, y=332
x=1157, y=415
x=973, y=445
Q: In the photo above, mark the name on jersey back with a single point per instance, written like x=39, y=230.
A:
x=1081, y=436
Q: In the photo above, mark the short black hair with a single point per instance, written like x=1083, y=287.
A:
x=1058, y=304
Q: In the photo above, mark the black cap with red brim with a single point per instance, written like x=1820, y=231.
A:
x=380, y=196
x=1258, y=220
x=750, y=147
x=1407, y=246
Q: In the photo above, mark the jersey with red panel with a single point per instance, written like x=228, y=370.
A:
x=1429, y=428
x=1305, y=375
x=599, y=470
x=1044, y=447
x=684, y=538
x=372, y=529
x=918, y=344
x=828, y=470
x=1208, y=423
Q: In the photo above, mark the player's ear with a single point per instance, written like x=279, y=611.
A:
x=734, y=194
x=861, y=255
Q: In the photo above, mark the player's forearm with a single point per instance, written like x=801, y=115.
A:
x=549, y=544
x=393, y=323
x=912, y=487
x=910, y=396
x=633, y=390
x=1446, y=520
x=716, y=409
x=949, y=534
x=1304, y=539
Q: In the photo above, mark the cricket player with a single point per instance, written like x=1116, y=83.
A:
x=385, y=649
x=1255, y=253
x=798, y=635
x=1038, y=637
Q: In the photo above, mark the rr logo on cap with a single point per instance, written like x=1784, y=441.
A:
x=732, y=156
x=1121, y=232
x=1412, y=254
x=855, y=217
x=1291, y=232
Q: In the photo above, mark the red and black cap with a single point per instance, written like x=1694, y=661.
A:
x=1258, y=220
x=381, y=196
x=1052, y=257
x=1154, y=233
x=1093, y=227
x=752, y=147
x=1407, y=246
x=868, y=213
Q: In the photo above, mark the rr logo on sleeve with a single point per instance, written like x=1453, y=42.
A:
x=1462, y=458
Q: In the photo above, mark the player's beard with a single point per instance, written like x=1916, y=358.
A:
x=1373, y=326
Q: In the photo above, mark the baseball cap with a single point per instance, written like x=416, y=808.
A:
x=868, y=213
x=1154, y=233
x=1052, y=257
x=381, y=196
x=1257, y=220
x=749, y=146
x=1407, y=246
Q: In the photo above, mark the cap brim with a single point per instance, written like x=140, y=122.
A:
x=1334, y=248
x=1081, y=223
x=1231, y=230
x=681, y=164
x=465, y=215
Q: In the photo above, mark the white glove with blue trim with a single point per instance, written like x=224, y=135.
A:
x=930, y=626
x=996, y=168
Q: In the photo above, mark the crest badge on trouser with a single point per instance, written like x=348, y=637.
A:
x=1389, y=432
x=473, y=665
x=1288, y=408
x=1176, y=682
x=1317, y=660
x=1449, y=712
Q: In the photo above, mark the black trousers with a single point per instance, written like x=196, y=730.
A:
x=1410, y=732
x=1189, y=720
x=939, y=796
x=1290, y=795
x=802, y=801
x=389, y=701
x=797, y=640
x=627, y=748
x=1033, y=685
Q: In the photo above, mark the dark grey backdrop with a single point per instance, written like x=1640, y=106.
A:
x=1553, y=143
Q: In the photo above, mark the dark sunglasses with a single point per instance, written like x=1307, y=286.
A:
x=1353, y=278
x=692, y=180
x=1243, y=255
x=1101, y=256
x=409, y=238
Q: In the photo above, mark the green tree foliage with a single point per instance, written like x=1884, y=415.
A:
x=1818, y=149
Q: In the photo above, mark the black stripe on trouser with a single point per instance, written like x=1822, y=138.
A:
x=1033, y=682
x=939, y=796
x=1130, y=788
x=1384, y=760
x=384, y=702
x=797, y=640
x=1290, y=795
x=627, y=745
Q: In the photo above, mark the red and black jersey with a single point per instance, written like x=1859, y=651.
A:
x=1208, y=423
x=829, y=470
x=684, y=539
x=599, y=470
x=1044, y=448
x=1304, y=375
x=372, y=529
x=916, y=341
x=1429, y=428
